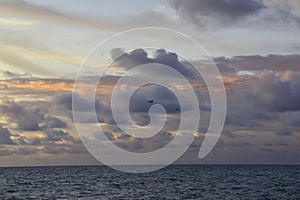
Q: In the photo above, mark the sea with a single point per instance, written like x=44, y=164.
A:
x=172, y=182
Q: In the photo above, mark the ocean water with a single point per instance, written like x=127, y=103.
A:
x=173, y=182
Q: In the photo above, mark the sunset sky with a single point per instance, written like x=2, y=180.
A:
x=254, y=43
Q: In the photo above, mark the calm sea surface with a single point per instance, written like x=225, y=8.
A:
x=173, y=182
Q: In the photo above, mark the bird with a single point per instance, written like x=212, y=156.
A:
x=150, y=100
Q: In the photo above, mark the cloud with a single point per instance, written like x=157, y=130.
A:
x=159, y=94
x=64, y=100
x=217, y=14
x=277, y=63
x=35, y=141
x=12, y=21
x=247, y=116
x=228, y=134
x=263, y=99
x=161, y=56
x=23, y=8
x=266, y=102
x=8, y=138
x=26, y=151
x=9, y=74
x=277, y=92
x=57, y=135
x=19, y=50
x=242, y=110
x=232, y=9
x=293, y=119
x=55, y=149
x=49, y=136
x=84, y=106
x=153, y=17
x=283, y=132
x=27, y=119
x=216, y=11
x=283, y=4
x=54, y=122
x=279, y=17
x=53, y=141
x=139, y=104
x=143, y=145
x=20, y=151
x=32, y=84
x=16, y=60
x=5, y=137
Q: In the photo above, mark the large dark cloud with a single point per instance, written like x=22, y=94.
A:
x=233, y=9
x=217, y=11
x=161, y=56
x=217, y=14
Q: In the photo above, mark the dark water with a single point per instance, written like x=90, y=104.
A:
x=174, y=182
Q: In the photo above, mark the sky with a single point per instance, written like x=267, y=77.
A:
x=254, y=43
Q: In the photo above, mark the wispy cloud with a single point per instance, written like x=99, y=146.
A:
x=26, y=9
x=13, y=21
x=32, y=56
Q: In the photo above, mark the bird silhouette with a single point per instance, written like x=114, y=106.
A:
x=150, y=100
